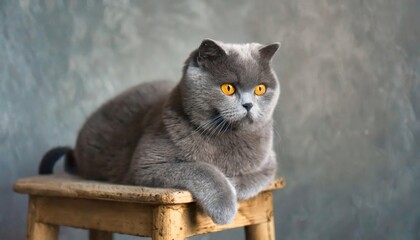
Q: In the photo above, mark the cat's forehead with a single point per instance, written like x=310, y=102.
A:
x=244, y=61
x=246, y=52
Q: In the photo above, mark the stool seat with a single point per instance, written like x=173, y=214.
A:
x=104, y=208
x=66, y=185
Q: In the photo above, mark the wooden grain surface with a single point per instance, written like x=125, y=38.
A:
x=111, y=216
x=64, y=185
x=39, y=230
x=161, y=222
x=253, y=211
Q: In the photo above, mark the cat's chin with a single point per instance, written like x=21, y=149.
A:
x=245, y=123
x=218, y=123
x=247, y=119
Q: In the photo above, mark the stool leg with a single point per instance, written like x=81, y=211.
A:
x=168, y=223
x=37, y=230
x=260, y=231
x=99, y=235
x=42, y=231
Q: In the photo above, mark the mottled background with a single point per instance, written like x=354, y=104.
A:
x=348, y=120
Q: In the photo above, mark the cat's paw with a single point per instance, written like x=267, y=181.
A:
x=222, y=206
x=244, y=192
x=222, y=209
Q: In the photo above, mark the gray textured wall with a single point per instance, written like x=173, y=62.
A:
x=348, y=118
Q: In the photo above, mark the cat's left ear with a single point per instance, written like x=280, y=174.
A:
x=209, y=50
x=267, y=52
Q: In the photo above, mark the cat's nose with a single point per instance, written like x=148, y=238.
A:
x=247, y=106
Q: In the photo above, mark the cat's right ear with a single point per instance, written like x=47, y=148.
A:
x=267, y=52
x=208, y=51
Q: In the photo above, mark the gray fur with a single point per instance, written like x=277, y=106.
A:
x=191, y=136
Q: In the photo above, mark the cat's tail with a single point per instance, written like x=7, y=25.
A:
x=52, y=156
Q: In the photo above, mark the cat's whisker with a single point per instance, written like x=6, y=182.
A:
x=278, y=136
x=215, y=129
x=229, y=114
x=229, y=127
x=219, y=127
x=201, y=129
x=223, y=128
x=210, y=122
x=210, y=127
x=198, y=129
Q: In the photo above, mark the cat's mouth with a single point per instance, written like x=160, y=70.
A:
x=232, y=121
x=249, y=118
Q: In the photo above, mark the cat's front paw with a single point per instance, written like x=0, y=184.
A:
x=244, y=192
x=221, y=205
x=222, y=208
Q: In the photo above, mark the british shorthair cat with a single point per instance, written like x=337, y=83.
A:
x=211, y=133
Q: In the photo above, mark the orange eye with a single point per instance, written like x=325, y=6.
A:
x=260, y=89
x=227, y=89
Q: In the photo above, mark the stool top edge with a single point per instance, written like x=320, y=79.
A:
x=65, y=185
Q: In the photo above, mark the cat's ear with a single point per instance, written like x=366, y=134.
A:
x=209, y=50
x=267, y=52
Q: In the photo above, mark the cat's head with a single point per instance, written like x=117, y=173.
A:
x=230, y=85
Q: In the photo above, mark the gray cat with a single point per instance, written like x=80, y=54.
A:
x=210, y=134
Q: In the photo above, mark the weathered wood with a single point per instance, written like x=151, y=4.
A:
x=37, y=230
x=252, y=211
x=261, y=231
x=163, y=214
x=118, y=217
x=42, y=231
x=161, y=222
x=64, y=185
x=168, y=223
x=99, y=235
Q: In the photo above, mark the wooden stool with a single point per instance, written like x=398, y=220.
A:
x=104, y=208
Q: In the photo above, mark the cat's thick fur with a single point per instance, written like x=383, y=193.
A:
x=191, y=135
